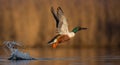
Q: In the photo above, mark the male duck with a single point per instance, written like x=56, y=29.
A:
x=62, y=28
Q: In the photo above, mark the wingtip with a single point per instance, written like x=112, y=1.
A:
x=59, y=8
x=52, y=8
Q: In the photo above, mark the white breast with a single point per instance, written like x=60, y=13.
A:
x=71, y=34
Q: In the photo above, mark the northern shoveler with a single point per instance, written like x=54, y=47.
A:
x=62, y=28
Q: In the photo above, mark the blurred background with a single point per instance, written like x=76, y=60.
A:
x=31, y=22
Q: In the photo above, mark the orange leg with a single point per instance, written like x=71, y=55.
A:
x=54, y=45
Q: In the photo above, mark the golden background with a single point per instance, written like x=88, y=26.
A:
x=31, y=22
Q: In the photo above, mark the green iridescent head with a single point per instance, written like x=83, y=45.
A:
x=76, y=29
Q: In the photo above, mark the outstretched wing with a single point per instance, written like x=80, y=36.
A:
x=63, y=25
x=61, y=21
x=55, y=16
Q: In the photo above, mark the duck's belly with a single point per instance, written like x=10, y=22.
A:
x=63, y=38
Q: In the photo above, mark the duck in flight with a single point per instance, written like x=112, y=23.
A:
x=62, y=28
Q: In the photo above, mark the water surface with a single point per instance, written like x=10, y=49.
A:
x=67, y=56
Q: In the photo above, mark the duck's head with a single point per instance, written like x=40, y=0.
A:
x=78, y=28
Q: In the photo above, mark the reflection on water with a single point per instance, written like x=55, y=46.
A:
x=69, y=56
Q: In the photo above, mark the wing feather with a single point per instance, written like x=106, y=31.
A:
x=61, y=21
x=63, y=25
x=55, y=16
